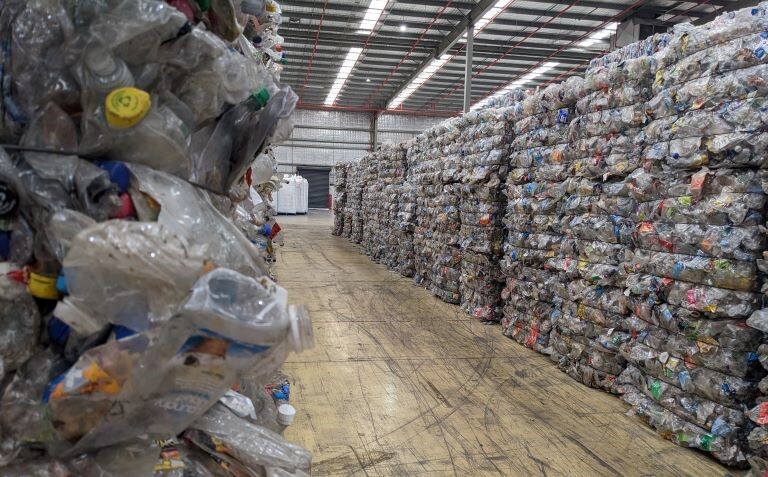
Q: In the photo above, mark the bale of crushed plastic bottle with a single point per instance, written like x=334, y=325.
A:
x=133, y=293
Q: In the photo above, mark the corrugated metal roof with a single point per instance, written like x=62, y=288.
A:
x=518, y=39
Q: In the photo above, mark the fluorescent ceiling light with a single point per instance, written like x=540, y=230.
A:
x=492, y=13
x=372, y=16
x=403, y=27
x=525, y=79
x=420, y=79
x=599, y=35
x=435, y=65
x=346, y=69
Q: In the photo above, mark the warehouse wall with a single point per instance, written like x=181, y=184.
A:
x=324, y=138
x=395, y=128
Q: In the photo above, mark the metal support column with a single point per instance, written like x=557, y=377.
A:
x=468, y=66
x=374, y=131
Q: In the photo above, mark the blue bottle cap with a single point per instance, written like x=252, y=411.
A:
x=118, y=174
x=61, y=285
x=58, y=331
x=122, y=332
x=5, y=245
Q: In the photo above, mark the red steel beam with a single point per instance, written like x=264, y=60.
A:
x=354, y=109
x=511, y=48
x=314, y=50
x=407, y=55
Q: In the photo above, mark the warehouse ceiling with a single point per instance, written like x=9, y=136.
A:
x=400, y=41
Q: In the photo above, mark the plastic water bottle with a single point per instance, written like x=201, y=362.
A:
x=103, y=72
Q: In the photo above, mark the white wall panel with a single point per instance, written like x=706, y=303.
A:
x=325, y=138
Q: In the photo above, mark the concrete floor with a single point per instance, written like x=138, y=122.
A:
x=401, y=384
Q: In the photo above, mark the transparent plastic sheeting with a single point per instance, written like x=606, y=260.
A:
x=615, y=222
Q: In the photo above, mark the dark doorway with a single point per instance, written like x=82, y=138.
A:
x=319, y=179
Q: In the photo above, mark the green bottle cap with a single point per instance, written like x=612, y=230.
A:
x=205, y=5
x=262, y=97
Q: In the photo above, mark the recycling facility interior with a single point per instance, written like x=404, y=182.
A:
x=251, y=238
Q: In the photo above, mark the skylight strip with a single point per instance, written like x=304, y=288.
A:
x=344, y=72
x=525, y=79
x=599, y=35
x=496, y=10
x=371, y=17
x=420, y=79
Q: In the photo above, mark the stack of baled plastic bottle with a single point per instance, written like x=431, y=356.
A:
x=384, y=238
x=440, y=174
x=693, y=277
x=131, y=302
x=340, y=197
x=636, y=230
x=758, y=436
x=395, y=251
x=407, y=213
x=606, y=139
x=420, y=184
x=539, y=161
x=484, y=147
x=373, y=194
x=356, y=185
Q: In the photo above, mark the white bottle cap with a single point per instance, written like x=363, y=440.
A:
x=285, y=414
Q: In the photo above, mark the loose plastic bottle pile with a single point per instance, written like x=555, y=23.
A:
x=635, y=227
x=134, y=292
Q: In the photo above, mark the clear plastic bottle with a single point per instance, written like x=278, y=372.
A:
x=102, y=71
x=130, y=126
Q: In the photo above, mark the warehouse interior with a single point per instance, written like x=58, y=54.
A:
x=256, y=238
x=485, y=309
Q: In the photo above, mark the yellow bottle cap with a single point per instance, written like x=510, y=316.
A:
x=41, y=286
x=126, y=107
x=271, y=7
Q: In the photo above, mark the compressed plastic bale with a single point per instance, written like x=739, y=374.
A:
x=719, y=420
x=714, y=385
x=245, y=442
x=42, y=467
x=55, y=189
x=22, y=412
x=230, y=325
x=20, y=326
x=718, y=302
x=132, y=459
x=188, y=212
x=133, y=274
x=680, y=431
x=38, y=32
